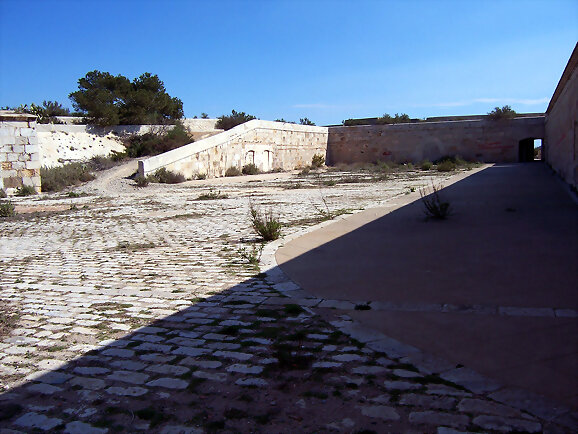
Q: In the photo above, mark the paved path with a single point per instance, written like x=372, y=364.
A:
x=138, y=312
x=494, y=287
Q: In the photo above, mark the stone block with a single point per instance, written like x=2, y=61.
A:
x=32, y=148
x=12, y=182
x=8, y=172
x=27, y=132
x=6, y=142
x=33, y=140
x=19, y=140
x=7, y=130
x=24, y=157
x=29, y=173
x=18, y=165
x=35, y=156
x=11, y=156
x=33, y=164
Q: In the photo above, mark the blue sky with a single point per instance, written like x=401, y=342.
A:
x=325, y=60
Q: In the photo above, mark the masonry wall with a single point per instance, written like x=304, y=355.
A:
x=266, y=144
x=560, y=145
x=478, y=140
x=19, y=152
x=65, y=143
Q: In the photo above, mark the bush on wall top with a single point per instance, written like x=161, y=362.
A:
x=226, y=122
x=498, y=113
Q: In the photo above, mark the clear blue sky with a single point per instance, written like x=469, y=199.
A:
x=327, y=60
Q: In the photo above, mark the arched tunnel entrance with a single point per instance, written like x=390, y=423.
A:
x=526, y=149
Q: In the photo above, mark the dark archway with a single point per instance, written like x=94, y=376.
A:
x=526, y=150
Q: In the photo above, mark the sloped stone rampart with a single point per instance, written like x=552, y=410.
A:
x=268, y=145
x=19, y=152
x=478, y=140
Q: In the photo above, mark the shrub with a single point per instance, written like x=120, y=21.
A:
x=353, y=122
x=306, y=121
x=212, y=195
x=201, y=176
x=305, y=171
x=154, y=143
x=235, y=118
x=100, y=162
x=45, y=113
x=233, y=171
x=250, y=169
x=2, y=194
x=397, y=119
x=58, y=178
x=446, y=166
x=425, y=165
x=25, y=190
x=141, y=181
x=498, y=113
x=266, y=225
x=252, y=256
x=7, y=209
x=317, y=161
x=434, y=206
x=165, y=176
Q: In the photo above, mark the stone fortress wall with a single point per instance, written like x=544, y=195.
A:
x=65, y=143
x=269, y=145
x=25, y=146
x=561, y=141
x=19, y=152
x=475, y=140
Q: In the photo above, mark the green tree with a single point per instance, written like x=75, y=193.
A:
x=112, y=100
x=505, y=112
x=235, y=118
x=148, y=103
x=306, y=121
x=46, y=113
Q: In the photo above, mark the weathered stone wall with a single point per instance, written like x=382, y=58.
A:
x=560, y=144
x=19, y=152
x=478, y=140
x=266, y=144
x=61, y=144
x=65, y=143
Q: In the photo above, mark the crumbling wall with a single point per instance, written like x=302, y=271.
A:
x=560, y=146
x=476, y=140
x=19, y=152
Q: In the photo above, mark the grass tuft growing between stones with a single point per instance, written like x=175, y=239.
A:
x=435, y=207
x=8, y=318
x=265, y=224
x=212, y=195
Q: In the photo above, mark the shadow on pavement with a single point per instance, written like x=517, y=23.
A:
x=493, y=287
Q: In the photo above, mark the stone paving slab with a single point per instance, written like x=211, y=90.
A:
x=139, y=314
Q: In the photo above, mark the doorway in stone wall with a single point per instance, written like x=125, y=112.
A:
x=538, y=152
x=526, y=149
x=250, y=157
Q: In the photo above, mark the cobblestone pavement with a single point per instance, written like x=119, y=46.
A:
x=139, y=311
